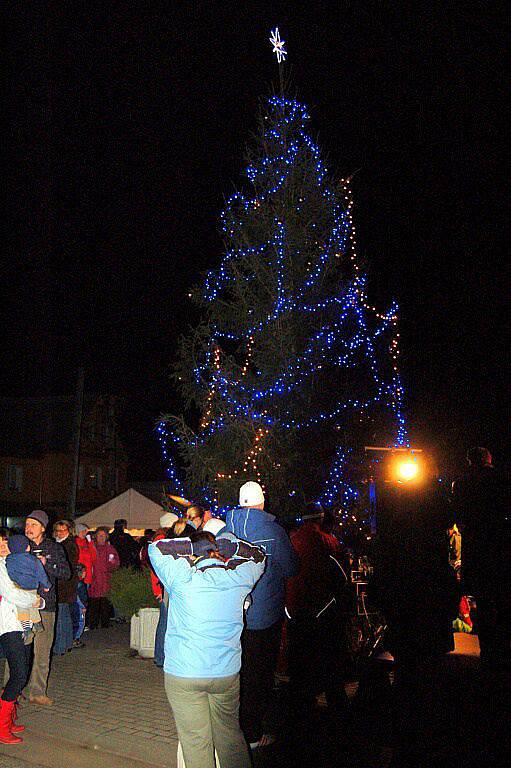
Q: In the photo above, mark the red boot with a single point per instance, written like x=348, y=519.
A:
x=16, y=728
x=6, y=734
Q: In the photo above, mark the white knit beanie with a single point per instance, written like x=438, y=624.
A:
x=168, y=519
x=251, y=494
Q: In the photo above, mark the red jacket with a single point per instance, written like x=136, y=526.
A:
x=155, y=582
x=87, y=556
x=106, y=562
x=313, y=587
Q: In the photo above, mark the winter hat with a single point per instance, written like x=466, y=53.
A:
x=313, y=511
x=168, y=519
x=18, y=544
x=214, y=526
x=251, y=494
x=81, y=527
x=40, y=516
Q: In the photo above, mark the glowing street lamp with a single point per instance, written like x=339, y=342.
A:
x=403, y=465
x=407, y=470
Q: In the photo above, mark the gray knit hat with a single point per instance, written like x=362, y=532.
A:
x=40, y=516
x=81, y=527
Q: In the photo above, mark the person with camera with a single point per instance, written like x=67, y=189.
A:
x=207, y=581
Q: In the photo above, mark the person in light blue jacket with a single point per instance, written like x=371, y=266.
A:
x=207, y=582
x=261, y=638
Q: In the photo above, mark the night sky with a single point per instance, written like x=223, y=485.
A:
x=127, y=124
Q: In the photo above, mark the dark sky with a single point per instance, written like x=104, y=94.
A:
x=127, y=124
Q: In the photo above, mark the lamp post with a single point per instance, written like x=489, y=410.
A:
x=401, y=465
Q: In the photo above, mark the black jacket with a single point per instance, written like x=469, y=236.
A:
x=481, y=510
x=127, y=548
x=57, y=567
x=67, y=587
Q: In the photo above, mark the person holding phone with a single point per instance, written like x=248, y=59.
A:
x=107, y=561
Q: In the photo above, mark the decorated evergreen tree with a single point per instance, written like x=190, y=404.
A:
x=290, y=369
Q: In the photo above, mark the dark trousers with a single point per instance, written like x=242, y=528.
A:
x=260, y=650
x=159, y=642
x=314, y=659
x=100, y=611
x=18, y=658
x=74, y=610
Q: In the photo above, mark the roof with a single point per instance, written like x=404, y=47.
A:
x=32, y=426
x=139, y=511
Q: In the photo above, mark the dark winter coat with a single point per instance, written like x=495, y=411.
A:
x=481, y=511
x=268, y=597
x=57, y=567
x=126, y=547
x=413, y=584
x=315, y=585
x=67, y=587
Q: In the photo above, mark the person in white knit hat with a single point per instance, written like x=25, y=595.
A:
x=261, y=637
x=214, y=526
x=168, y=519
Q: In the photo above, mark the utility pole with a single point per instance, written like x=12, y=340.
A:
x=77, y=433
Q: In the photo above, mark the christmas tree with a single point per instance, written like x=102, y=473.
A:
x=290, y=369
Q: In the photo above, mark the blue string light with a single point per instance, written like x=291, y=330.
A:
x=347, y=335
x=170, y=469
x=338, y=489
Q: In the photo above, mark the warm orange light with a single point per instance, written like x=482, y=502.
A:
x=407, y=470
x=179, y=500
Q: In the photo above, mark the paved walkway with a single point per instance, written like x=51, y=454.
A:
x=111, y=712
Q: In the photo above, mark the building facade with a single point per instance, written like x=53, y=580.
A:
x=39, y=439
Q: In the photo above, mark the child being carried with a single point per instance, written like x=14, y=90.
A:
x=27, y=572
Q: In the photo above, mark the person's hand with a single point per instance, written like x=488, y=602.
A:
x=159, y=598
x=39, y=602
x=42, y=559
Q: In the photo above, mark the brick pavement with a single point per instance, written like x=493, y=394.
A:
x=15, y=762
x=106, y=701
x=111, y=712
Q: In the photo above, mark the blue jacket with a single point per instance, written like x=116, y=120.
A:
x=27, y=571
x=262, y=529
x=205, y=617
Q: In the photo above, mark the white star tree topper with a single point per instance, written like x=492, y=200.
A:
x=278, y=45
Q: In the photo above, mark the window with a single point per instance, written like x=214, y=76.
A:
x=96, y=477
x=14, y=477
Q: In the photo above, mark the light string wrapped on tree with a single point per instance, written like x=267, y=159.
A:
x=286, y=314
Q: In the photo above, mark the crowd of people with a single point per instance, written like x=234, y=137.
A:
x=51, y=590
x=240, y=597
